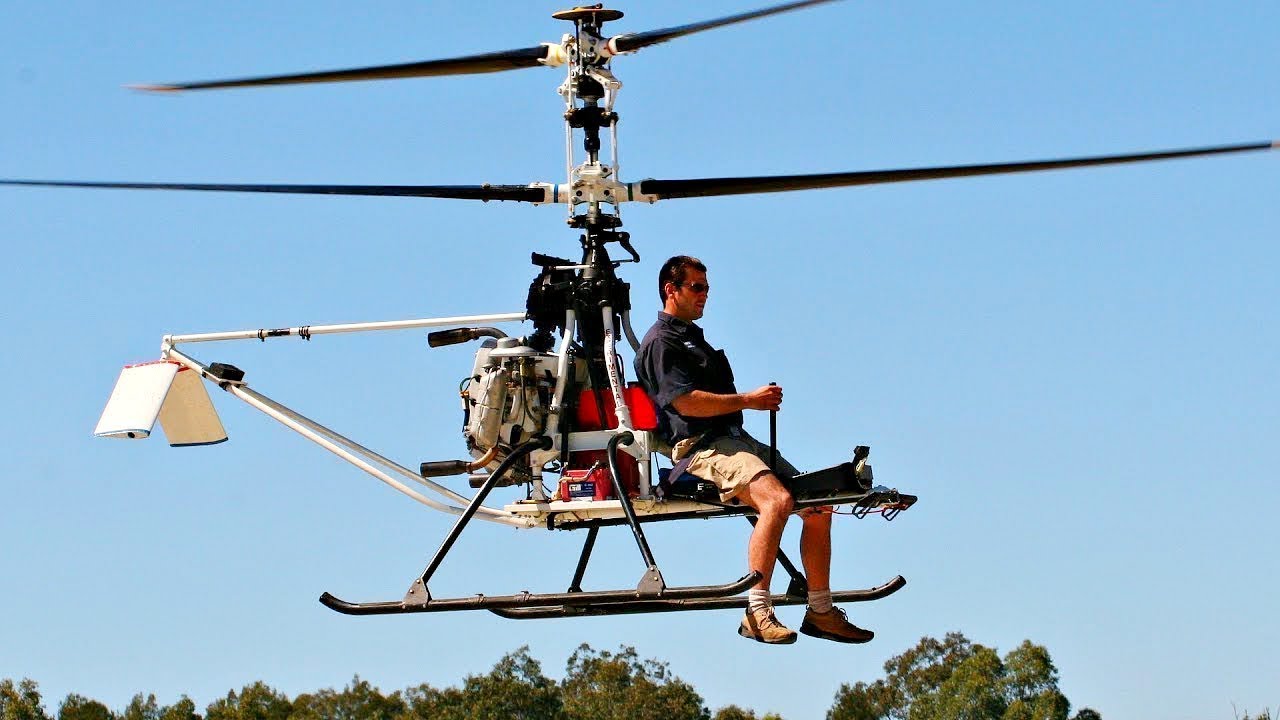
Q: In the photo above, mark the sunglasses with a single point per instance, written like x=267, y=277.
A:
x=698, y=288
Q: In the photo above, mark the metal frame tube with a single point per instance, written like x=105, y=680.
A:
x=620, y=408
x=362, y=450
x=612, y=454
x=475, y=504
x=334, y=442
x=581, y=570
x=307, y=331
x=562, y=383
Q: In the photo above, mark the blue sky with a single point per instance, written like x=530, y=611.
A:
x=1075, y=370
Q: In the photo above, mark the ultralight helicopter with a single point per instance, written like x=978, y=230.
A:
x=553, y=401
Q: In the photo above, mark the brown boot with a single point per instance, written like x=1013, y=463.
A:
x=833, y=625
x=763, y=626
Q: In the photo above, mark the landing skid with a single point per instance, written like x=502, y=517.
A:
x=652, y=593
x=656, y=606
x=557, y=603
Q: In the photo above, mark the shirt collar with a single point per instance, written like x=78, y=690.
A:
x=678, y=325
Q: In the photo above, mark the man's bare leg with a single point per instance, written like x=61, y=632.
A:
x=773, y=505
x=821, y=619
x=815, y=547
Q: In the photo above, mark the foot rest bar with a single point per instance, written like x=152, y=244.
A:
x=539, y=600
x=655, y=606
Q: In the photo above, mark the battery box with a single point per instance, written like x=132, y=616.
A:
x=583, y=484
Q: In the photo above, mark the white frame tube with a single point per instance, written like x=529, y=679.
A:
x=332, y=441
x=562, y=379
x=620, y=408
x=310, y=330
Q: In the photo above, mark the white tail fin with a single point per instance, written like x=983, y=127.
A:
x=167, y=391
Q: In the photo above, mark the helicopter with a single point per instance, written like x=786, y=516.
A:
x=555, y=399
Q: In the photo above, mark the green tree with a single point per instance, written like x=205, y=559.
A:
x=254, y=702
x=605, y=686
x=971, y=692
x=184, y=709
x=358, y=701
x=424, y=702
x=140, y=708
x=79, y=707
x=514, y=688
x=733, y=712
x=861, y=701
x=21, y=701
x=1031, y=685
x=954, y=678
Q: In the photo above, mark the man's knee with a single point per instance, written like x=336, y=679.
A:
x=770, y=496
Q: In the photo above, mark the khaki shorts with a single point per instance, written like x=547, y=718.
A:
x=730, y=462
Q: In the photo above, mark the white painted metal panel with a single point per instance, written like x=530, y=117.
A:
x=136, y=400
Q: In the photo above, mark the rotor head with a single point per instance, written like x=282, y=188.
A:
x=592, y=14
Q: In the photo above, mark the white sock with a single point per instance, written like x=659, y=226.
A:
x=820, y=601
x=758, y=600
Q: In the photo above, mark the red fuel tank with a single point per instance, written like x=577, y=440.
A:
x=644, y=416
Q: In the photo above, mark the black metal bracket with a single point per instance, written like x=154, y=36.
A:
x=418, y=594
x=587, y=547
x=611, y=451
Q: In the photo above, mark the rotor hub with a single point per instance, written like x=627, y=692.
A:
x=593, y=14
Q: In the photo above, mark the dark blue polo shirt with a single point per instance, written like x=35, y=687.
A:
x=674, y=358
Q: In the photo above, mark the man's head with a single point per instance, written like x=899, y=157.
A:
x=682, y=285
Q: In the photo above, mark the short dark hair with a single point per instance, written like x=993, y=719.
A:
x=673, y=272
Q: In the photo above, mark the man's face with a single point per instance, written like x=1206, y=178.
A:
x=687, y=301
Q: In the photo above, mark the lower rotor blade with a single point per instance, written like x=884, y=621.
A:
x=706, y=187
x=634, y=41
x=471, y=64
x=520, y=193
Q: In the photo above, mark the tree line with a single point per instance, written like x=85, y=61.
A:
x=939, y=679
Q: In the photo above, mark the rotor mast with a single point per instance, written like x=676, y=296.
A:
x=589, y=92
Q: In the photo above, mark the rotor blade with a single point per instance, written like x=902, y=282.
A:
x=706, y=187
x=634, y=41
x=521, y=193
x=486, y=63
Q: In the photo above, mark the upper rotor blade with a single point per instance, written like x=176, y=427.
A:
x=522, y=193
x=634, y=41
x=781, y=183
x=486, y=63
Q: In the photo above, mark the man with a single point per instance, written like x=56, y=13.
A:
x=700, y=414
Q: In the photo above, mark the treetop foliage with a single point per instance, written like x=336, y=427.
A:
x=956, y=679
x=939, y=679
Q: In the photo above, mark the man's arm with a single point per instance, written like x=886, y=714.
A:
x=700, y=403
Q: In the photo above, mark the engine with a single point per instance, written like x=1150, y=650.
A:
x=506, y=399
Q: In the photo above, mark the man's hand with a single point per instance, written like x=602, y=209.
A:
x=768, y=397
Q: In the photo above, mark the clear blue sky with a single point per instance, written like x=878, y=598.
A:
x=1076, y=371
